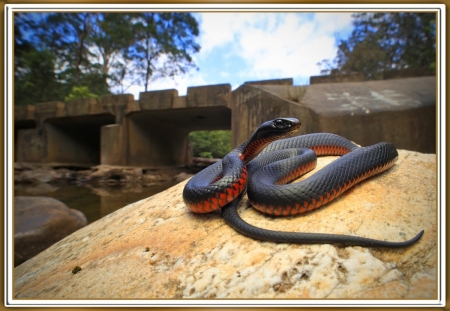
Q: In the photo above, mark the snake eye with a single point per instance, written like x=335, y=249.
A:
x=281, y=124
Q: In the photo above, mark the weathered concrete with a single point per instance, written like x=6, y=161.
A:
x=49, y=110
x=286, y=81
x=117, y=105
x=157, y=248
x=79, y=107
x=29, y=146
x=151, y=131
x=211, y=95
x=24, y=113
x=253, y=105
x=350, y=77
x=385, y=75
x=114, y=146
x=401, y=112
x=75, y=139
x=24, y=118
x=163, y=99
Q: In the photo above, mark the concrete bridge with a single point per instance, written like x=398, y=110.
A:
x=153, y=130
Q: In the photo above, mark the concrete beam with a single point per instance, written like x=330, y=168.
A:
x=85, y=106
x=350, y=77
x=24, y=113
x=287, y=81
x=164, y=99
x=117, y=105
x=48, y=110
x=210, y=95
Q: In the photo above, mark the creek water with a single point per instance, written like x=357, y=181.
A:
x=94, y=201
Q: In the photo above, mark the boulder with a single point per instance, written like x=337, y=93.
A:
x=40, y=175
x=157, y=248
x=39, y=222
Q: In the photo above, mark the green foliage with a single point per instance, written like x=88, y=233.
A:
x=210, y=144
x=34, y=78
x=164, y=38
x=80, y=92
x=55, y=52
x=386, y=41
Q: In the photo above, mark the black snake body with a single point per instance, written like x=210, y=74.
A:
x=264, y=176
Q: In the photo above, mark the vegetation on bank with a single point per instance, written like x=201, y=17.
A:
x=210, y=144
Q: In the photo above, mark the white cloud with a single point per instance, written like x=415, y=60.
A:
x=332, y=22
x=215, y=30
x=272, y=44
x=268, y=45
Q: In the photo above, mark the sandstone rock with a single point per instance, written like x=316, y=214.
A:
x=116, y=175
x=25, y=166
x=84, y=176
x=132, y=175
x=155, y=179
x=40, y=222
x=39, y=175
x=100, y=172
x=182, y=176
x=35, y=189
x=65, y=173
x=156, y=248
x=18, y=166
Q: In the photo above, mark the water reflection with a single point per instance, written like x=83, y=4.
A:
x=94, y=201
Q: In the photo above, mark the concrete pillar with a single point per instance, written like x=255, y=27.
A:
x=113, y=149
x=255, y=104
x=30, y=146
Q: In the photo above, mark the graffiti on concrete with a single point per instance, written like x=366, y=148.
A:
x=381, y=98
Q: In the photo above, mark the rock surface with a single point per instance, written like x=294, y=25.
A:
x=37, y=174
x=40, y=222
x=156, y=248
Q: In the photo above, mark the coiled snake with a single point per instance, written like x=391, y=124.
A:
x=262, y=165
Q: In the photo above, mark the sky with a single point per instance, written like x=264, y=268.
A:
x=241, y=47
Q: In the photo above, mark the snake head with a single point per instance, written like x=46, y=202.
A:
x=286, y=123
x=277, y=128
x=267, y=133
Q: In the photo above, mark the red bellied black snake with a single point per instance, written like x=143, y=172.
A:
x=263, y=165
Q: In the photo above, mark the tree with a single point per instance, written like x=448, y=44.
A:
x=64, y=39
x=387, y=41
x=112, y=35
x=99, y=50
x=34, y=78
x=163, y=45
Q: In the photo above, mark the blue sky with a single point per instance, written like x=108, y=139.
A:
x=240, y=47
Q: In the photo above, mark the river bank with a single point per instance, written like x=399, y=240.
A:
x=36, y=173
